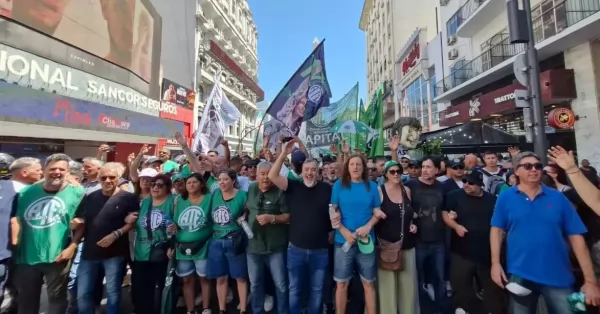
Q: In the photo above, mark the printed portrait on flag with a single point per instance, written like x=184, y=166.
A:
x=292, y=112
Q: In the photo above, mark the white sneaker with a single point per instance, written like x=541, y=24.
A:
x=460, y=311
x=207, y=311
x=431, y=292
x=229, y=296
x=268, y=303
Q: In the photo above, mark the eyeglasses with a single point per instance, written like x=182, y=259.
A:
x=469, y=182
x=157, y=185
x=111, y=178
x=458, y=167
x=373, y=169
x=529, y=166
x=394, y=172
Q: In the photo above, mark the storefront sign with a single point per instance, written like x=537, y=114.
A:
x=452, y=114
x=174, y=93
x=34, y=72
x=411, y=60
x=504, y=98
x=171, y=142
x=20, y=104
x=474, y=105
x=561, y=118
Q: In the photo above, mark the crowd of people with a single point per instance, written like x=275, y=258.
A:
x=433, y=235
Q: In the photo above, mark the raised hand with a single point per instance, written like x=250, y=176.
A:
x=562, y=158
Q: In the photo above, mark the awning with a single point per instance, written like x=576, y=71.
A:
x=472, y=137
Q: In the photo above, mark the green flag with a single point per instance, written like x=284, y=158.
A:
x=374, y=116
x=169, y=293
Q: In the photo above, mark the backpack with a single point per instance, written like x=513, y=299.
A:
x=495, y=181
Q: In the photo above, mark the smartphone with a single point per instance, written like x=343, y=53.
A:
x=286, y=139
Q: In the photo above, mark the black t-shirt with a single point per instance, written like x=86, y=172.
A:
x=590, y=219
x=389, y=228
x=591, y=175
x=103, y=215
x=428, y=203
x=309, y=214
x=475, y=214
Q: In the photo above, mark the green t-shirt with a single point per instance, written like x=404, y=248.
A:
x=169, y=166
x=185, y=171
x=269, y=238
x=225, y=213
x=44, y=220
x=143, y=243
x=289, y=173
x=212, y=183
x=194, y=225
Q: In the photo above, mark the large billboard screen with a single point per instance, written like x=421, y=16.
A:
x=124, y=32
x=176, y=94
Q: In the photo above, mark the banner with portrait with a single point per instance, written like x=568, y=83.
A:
x=176, y=94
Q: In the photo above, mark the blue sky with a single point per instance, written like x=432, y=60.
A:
x=286, y=29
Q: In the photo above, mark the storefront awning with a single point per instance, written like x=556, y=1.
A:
x=472, y=137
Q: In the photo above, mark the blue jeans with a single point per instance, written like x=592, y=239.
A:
x=306, y=264
x=87, y=274
x=223, y=261
x=555, y=298
x=435, y=252
x=275, y=263
x=346, y=264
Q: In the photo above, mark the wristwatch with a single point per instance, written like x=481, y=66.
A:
x=272, y=219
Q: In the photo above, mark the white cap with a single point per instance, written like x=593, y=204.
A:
x=405, y=156
x=148, y=172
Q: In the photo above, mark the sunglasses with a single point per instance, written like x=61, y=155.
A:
x=530, y=166
x=394, y=172
x=111, y=178
x=157, y=185
x=469, y=182
x=373, y=169
x=459, y=167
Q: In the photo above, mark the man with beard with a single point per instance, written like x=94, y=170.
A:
x=40, y=219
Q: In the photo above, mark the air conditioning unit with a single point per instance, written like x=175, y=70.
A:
x=452, y=54
x=451, y=40
x=444, y=2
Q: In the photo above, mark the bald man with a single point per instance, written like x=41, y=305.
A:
x=470, y=161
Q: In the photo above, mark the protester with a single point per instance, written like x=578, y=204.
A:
x=40, y=231
x=268, y=217
x=193, y=225
x=397, y=271
x=226, y=252
x=307, y=254
x=538, y=261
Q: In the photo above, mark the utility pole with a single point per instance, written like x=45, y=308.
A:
x=521, y=32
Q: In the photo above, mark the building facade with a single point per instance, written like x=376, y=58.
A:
x=389, y=27
x=479, y=84
x=76, y=76
x=228, y=40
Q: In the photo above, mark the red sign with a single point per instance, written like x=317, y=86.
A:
x=70, y=114
x=411, y=60
x=561, y=118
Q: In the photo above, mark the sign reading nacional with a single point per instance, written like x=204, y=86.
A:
x=31, y=71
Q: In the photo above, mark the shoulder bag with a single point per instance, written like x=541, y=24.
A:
x=158, y=251
x=390, y=253
x=191, y=248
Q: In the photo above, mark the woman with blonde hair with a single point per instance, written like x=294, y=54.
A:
x=397, y=269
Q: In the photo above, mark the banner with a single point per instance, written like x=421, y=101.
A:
x=302, y=96
x=374, y=118
x=318, y=137
x=219, y=113
x=126, y=33
x=176, y=94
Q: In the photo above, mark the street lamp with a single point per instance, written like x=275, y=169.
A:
x=245, y=132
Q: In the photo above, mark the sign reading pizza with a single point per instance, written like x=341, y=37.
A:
x=561, y=118
x=411, y=60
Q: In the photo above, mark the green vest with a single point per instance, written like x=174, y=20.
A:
x=44, y=220
x=225, y=214
x=269, y=238
x=143, y=244
x=194, y=225
x=212, y=183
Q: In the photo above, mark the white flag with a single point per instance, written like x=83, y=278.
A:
x=219, y=113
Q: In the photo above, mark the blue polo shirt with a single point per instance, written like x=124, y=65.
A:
x=536, y=235
x=356, y=205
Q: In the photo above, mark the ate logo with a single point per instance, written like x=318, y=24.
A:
x=222, y=215
x=156, y=219
x=192, y=219
x=45, y=212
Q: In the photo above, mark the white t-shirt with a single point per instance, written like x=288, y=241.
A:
x=486, y=178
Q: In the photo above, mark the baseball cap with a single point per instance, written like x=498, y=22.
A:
x=390, y=164
x=365, y=244
x=414, y=162
x=251, y=162
x=153, y=159
x=176, y=177
x=455, y=162
x=181, y=158
x=405, y=157
x=148, y=172
x=474, y=176
x=518, y=286
x=298, y=157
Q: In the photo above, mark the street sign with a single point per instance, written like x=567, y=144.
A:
x=521, y=69
x=528, y=122
x=522, y=98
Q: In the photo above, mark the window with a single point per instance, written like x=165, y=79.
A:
x=452, y=24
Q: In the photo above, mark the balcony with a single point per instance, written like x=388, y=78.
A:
x=556, y=28
x=475, y=14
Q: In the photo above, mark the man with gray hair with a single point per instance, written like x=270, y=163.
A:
x=75, y=172
x=45, y=244
x=105, y=244
x=24, y=172
x=91, y=166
